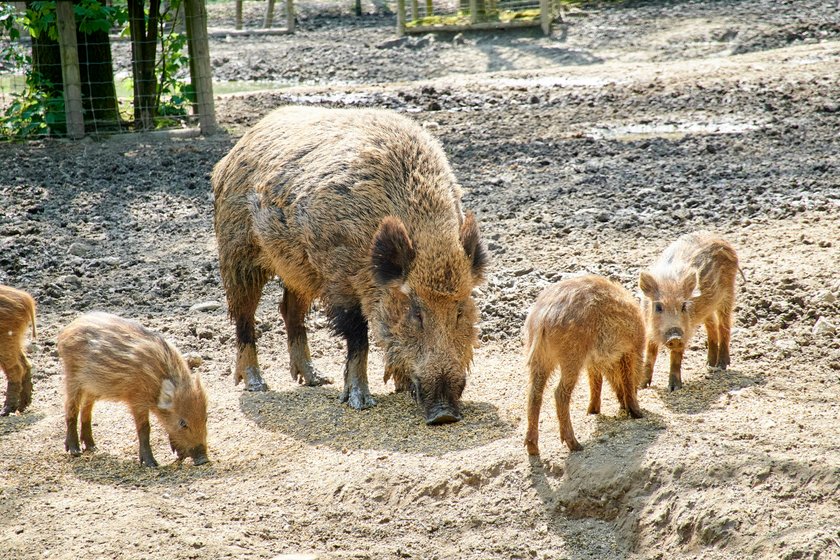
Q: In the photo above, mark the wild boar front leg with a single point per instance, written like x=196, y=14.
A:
x=712, y=334
x=650, y=360
x=141, y=421
x=352, y=325
x=294, y=308
x=675, y=376
x=244, y=289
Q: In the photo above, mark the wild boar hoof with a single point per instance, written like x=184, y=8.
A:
x=254, y=381
x=6, y=410
x=674, y=384
x=149, y=462
x=357, y=398
x=73, y=451
x=314, y=379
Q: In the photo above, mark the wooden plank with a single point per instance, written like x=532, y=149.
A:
x=70, y=74
x=200, y=69
x=220, y=32
x=481, y=25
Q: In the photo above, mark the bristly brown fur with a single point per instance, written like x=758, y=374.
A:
x=692, y=283
x=17, y=312
x=357, y=208
x=584, y=322
x=107, y=357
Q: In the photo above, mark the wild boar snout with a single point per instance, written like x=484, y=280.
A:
x=674, y=338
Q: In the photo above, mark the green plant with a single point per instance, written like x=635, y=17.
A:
x=173, y=94
x=38, y=109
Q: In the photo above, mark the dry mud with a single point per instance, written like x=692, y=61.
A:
x=680, y=116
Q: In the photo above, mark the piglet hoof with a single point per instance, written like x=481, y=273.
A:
x=148, y=462
x=674, y=384
x=532, y=447
x=357, y=398
x=574, y=446
x=253, y=381
x=73, y=450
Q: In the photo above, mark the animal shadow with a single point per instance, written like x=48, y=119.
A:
x=101, y=467
x=315, y=416
x=701, y=389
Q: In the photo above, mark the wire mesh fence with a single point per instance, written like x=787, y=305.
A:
x=93, y=68
x=421, y=16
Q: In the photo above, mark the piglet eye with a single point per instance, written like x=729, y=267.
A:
x=182, y=424
x=418, y=315
x=657, y=307
x=685, y=306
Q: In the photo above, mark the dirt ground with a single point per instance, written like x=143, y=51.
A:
x=589, y=150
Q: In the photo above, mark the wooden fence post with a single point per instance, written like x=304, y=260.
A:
x=70, y=69
x=290, y=16
x=238, y=22
x=269, y=14
x=200, y=70
x=545, y=16
x=401, y=17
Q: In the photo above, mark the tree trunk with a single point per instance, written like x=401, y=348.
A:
x=144, y=37
x=99, y=95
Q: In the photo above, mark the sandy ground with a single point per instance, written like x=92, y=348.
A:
x=670, y=117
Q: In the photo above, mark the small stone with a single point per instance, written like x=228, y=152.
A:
x=825, y=296
x=458, y=39
x=212, y=305
x=786, y=344
x=523, y=271
x=823, y=326
x=205, y=334
x=110, y=261
x=80, y=249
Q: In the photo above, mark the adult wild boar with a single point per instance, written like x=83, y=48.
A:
x=17, y=312
x=108, y=357
x=360, y=209
x=692, y=282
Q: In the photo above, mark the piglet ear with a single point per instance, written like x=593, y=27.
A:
x=471, y=240
x=648, y=285
x=391, y=252
x=167, y=394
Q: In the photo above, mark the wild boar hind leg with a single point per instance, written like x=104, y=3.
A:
x=294, y=308
x=352, y=325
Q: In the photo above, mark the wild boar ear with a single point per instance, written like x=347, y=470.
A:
x=473, y=246
x=391, y=252
x=648, y=285
x=167, y=394
x=691, y=284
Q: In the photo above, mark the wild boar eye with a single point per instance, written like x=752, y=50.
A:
x=657, y=307
x=182, y=424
